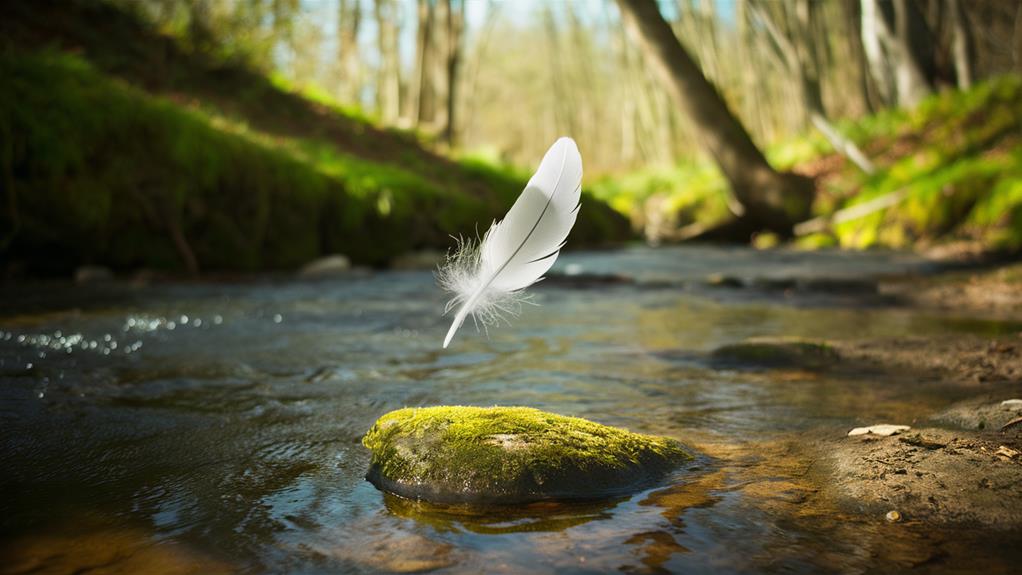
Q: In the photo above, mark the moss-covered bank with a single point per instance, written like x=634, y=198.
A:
x=120, y=147
x=952, y=168
x=510, y=455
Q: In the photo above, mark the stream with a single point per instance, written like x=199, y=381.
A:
x=198, y=427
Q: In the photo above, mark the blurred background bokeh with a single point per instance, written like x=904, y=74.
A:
x=209, y=135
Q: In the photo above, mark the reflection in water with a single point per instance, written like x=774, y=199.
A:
x=532, y=517
x=232, y=439
x=84, y=547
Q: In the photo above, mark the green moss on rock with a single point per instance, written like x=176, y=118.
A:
x=453, y=454
x=778, y=352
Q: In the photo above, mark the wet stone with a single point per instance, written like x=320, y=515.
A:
x=325, y=267
x=506, y=455
x=777, y=352
x=93, y=274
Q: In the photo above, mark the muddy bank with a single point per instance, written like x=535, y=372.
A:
x=996, y=290
x=959, y=359
x=960, y=464
x=963, y=465
x=932, y=475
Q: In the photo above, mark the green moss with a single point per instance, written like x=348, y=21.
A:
x=456, y=452
x=956, y=158
x=111, y=155
x=667, y=198
x=816, y=241
x=103, y=172
x=778, y=352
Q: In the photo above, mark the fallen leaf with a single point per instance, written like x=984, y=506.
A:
x=883, y=429
x=1007, y=452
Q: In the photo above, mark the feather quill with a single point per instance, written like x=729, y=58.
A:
x=488, y=278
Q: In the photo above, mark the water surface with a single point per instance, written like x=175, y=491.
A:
x=198, y=427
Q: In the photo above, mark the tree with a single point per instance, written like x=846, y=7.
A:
x=1016, y=51
x=455, y=12
x=388, y=78
x=899, y=48
x=770, y=199
x=423, y=98
x=961, y=45
x=349, y=18
x=798, y=56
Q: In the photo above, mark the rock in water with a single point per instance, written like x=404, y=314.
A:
x=510, y=455
x=781, y=352
x=324, y=267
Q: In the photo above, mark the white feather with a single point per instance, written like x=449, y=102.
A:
x=487, y=279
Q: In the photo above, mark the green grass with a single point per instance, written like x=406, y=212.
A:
x=682, y=194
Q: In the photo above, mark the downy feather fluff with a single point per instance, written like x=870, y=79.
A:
x=487, y=278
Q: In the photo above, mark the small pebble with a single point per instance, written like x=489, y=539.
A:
x=893, y=516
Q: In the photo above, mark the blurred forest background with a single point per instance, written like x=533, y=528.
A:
x=260, y=134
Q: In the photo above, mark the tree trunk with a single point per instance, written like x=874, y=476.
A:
x=876, y=57
x=961, y=45
x=455, y=25
x=853, y=29
x=1017, y=48
x=422, y=108
x=771, y=199
x=798, y=55
x=898, y=30
x=388, y=82
x=349, y=16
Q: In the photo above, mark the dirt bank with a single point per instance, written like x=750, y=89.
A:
x=960, y=359
x=991, y=291
x=933, y=475
x=964, y=465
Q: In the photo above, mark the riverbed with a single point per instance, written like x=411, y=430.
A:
x=198, y=427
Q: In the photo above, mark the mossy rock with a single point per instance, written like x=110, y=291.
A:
x=508, y=455
x=777, y=352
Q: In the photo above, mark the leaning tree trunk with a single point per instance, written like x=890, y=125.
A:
x=771, y=200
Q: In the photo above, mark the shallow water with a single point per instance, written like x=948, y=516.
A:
x=215, y=427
